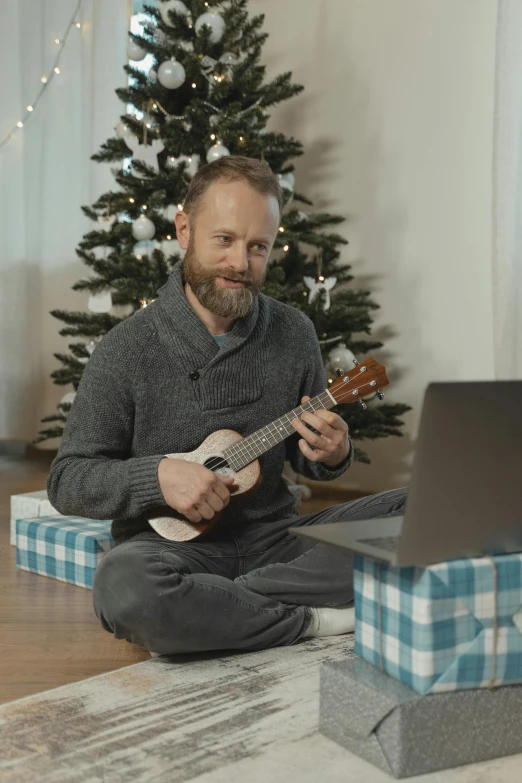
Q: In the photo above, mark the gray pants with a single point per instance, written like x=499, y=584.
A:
x=241, y=587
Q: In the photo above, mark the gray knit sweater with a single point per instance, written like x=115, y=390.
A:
x=158, y=383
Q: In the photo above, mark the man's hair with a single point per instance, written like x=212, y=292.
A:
x=257, y=173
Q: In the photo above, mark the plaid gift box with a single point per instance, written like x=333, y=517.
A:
x=30, y=504
x=446, y=627
x=65, y=548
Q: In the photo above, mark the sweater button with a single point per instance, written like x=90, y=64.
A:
x=194, y=375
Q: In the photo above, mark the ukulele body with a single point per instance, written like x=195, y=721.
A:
x=175, y=526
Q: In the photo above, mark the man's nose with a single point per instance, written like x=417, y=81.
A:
x=238, y=258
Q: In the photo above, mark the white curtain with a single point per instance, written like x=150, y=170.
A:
x=45, y=176
x=507, y=193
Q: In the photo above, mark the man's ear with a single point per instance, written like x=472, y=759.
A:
x=181, y=221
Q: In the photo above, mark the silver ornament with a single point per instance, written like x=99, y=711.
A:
x=340, y=358
x=171, y=74
x=135, y=51
x=172, y=5
x=143, y=228
x=215, y=22
x=217, y=151
x=100, y=302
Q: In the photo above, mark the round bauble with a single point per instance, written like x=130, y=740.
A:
x=171, y=74
x=121, y=129
x=100, y=303
x=215, y=22
x=217, y=151
x=172, y=5
x=135, y=51
x=341, y=357
x=68, y=398
x=143, y=228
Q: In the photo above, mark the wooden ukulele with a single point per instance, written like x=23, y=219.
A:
x=230, y=454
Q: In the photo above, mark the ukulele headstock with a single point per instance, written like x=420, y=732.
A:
x=366, y=377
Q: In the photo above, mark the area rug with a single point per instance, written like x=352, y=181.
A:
x=171, y=719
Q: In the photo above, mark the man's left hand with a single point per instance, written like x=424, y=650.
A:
x=331, y=445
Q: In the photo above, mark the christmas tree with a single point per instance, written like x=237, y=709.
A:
x=203, y=97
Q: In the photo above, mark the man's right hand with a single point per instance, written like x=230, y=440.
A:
x=192, y=489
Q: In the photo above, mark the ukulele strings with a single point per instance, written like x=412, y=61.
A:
x=218, y=462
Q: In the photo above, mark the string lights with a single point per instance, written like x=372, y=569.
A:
x=46, y=80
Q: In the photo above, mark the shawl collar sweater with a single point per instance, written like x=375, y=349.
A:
x=158, y=383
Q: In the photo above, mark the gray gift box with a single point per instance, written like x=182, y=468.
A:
x=404, y=733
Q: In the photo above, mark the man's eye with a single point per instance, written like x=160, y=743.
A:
x=224, y=237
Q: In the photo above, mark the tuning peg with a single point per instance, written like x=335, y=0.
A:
x=362, y=404
x=339, y=371
x=355, y=362
x=380, y=395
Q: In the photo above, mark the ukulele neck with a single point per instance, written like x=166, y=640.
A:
x=241, y=454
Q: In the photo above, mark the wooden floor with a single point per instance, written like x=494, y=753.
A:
x=50, y=635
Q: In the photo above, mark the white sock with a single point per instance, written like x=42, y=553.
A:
x=331, y=620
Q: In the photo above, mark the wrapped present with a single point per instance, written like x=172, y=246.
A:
x=30, y=504
x=63, y=547
x=445, y=627
x=390, y=725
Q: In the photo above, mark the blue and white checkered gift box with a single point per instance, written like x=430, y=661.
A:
x=446, y=627
x=67, y=548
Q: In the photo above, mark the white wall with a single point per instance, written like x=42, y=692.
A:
x=396, y=119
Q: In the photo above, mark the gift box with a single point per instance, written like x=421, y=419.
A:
x=30, y=504
x=390, y=725
x=67, y=548
x=445, y=627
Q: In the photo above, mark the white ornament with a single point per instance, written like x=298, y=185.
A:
x=317, y=285
x=153, y=75
x=285, y=184
x=100, y=303
x=89, y=348
x=170, y=212
x=68, y=398
x=148, y=153
x=215, y=22
x=171, y=74
x=143, y=228
x=121, y=129
x=106, y=222
x=217, y=151
x=287, y=178
x=192, y=161
x=213, y=120
x=135, y=51
x=171, y=247
x=172, y=5
x=341, y=358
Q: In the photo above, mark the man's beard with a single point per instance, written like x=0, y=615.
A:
x=223, y=302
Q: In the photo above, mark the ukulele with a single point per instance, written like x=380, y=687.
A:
x=228, y=453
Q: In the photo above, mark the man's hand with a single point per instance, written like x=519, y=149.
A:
x=331, y=445
x=192, y=489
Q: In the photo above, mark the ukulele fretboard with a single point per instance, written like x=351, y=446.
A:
x=247, y=450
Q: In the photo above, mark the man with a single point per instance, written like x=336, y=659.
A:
x=211, y=352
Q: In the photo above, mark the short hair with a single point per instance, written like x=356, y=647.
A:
x=256, y=172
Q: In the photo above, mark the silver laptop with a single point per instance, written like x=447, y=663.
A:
x=465, y=494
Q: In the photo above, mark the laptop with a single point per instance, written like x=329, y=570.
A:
x=465, y=493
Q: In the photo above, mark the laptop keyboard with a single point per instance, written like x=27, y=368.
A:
x=389, y=543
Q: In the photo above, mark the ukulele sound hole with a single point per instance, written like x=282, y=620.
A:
x=219, y=465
